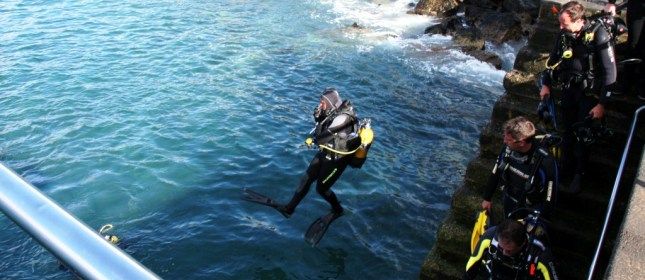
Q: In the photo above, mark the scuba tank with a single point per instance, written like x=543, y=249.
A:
x=367, y=136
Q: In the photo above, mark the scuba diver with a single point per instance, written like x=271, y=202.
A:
x=583, y=65
x=635, y=40
x=342, y=140
x=525, y=171
x=507, y=251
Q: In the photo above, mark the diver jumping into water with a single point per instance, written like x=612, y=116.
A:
x=342, y=140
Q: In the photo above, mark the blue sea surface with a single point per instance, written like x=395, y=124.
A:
x=154, y=115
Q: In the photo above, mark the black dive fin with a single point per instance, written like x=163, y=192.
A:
x=318, y=228
x=258, y=198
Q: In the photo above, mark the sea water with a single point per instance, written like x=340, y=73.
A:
x=154, y=115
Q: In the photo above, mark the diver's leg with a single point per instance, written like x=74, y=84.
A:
x=305, y=183
x=330, y=172
x=569, y=115
x=581, y=152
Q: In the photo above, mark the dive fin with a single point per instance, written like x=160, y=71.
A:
x=259, y=198
x=482, y=223
x=318, y=228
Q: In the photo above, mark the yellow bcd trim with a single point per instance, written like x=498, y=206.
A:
x=545, y=272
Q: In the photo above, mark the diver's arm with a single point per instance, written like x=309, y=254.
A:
x=549, y=191
x=555, y=56
x=492, y=183
x=607, y=61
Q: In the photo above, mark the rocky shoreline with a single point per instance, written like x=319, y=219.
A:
x=471, y=23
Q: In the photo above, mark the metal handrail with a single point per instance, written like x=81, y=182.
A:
x=613, y=192
x=70, y=240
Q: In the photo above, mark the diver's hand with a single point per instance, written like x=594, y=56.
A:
x=544, y=92
x=486, y=205
x=610, y=8
x=597, y=111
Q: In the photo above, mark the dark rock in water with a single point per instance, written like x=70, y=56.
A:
x=494, y=26
x=448, y=26
x=486, y=4
x=411, y=4
x=486, y=56
x=464, y=36
x=355, y=25
x=435, y=7
x=522, y=6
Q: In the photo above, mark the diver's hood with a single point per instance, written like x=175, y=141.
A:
x=332, y=98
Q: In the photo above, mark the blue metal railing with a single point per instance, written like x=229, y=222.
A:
x=70, y=240
x=619, y=175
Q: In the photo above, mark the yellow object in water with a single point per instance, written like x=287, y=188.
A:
x=309, y=141
x=480, y=227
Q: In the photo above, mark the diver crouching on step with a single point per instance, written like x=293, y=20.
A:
x=342, y=140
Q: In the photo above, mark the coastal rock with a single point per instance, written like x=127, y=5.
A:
x=496, y=27
x=463, y=35
x=467, y=38
x=487, y=4
x=487, y=57
x=522, y=6
x=436, y=7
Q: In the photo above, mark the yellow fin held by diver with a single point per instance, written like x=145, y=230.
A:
x=481, y=225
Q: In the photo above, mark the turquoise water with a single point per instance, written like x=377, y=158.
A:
x=153, y=115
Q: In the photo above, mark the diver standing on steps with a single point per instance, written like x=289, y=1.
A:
x=524, y=170
x=583, y=65
x=342, y=140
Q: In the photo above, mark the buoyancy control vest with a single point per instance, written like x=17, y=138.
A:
x=524, y=266
x=518, y=174
x=342, y=134
x=337, y=133
x=576, y=61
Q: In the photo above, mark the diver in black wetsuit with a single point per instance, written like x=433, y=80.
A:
x=583, y=63
x=335, y=124
x=337, y=136
x=524, y=170
x=507, y=252
x=635, y=41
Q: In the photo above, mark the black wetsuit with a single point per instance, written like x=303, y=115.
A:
x=513, y=171
x=636, y=42
x=534, y=262
x=587, y=78
x=326, y=167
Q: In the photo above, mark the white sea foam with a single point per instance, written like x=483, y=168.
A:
x=388, y=24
